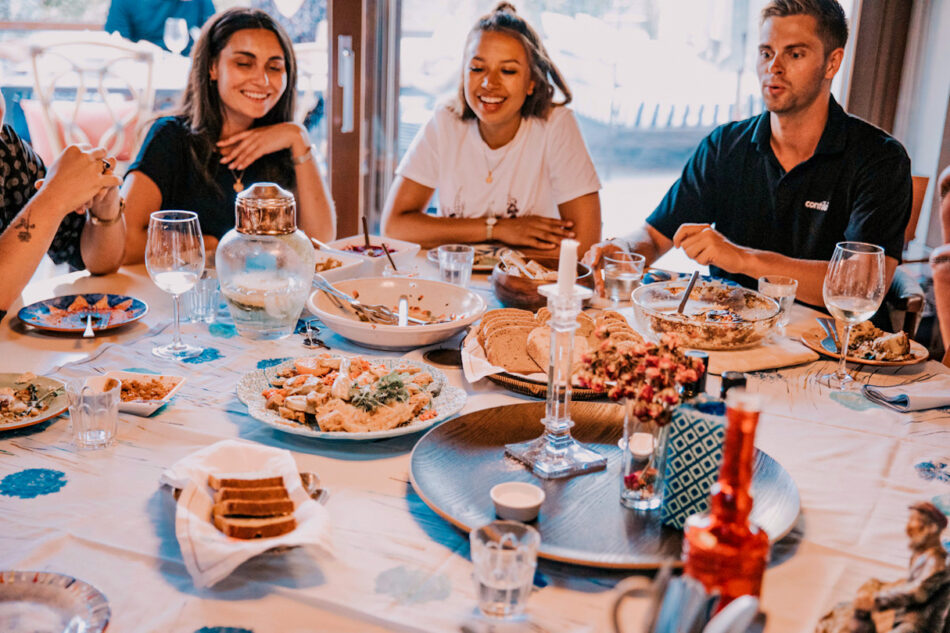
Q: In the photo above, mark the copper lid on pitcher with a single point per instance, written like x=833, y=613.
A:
x=265, y=208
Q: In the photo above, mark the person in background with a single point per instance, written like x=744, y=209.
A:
x=508, y=161
x=773, y=194
x=37, y=216
x=940, y=265
x=137, y=20
x=301, y=25
x=234, y=128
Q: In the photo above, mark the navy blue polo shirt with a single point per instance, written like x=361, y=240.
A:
x=856, y=187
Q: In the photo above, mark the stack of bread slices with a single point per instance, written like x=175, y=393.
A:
x=520, y=340
x=251, y=505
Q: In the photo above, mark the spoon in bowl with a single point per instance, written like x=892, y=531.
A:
x=689, y=289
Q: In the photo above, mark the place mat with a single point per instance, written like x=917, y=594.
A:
x=455, y=464
x=781, y=352
x=813, y=337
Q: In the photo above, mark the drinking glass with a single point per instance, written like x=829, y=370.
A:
x=455, y=263
x=622, y=274
x=202, y=300
x=853, y=290
x=176, y=35
x=175, y=257
x=782, y=289
x=93, y=410
x=505, y=555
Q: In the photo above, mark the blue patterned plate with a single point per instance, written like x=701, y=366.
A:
x=55, y=404
x=69, y=313
x=43, y=601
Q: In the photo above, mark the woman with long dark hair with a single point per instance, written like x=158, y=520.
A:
x=508, y=161
x=234, y=128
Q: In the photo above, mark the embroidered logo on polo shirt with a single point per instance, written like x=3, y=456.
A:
x=817, y=206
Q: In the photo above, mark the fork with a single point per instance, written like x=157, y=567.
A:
x=88, y=333
x=372, y=312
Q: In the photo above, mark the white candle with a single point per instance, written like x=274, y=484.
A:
x=641, y=445
x=567, y=268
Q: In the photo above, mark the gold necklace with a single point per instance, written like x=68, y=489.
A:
x=491, y=169
x=238, y=185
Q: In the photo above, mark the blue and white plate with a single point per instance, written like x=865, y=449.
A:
x=32, y=601
x=50, y=390
x=70, y=312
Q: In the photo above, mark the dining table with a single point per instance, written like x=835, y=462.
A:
x=395, y=564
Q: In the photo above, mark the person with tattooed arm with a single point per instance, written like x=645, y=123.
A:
x=70, y=210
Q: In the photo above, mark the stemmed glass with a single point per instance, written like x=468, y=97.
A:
x=175, y=257
x=853, y=290
x=176, y=35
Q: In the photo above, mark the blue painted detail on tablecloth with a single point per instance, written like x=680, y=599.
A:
x=206, y=356
x=141, y=370
x=933, y=470
x=222, y=330
x=32, y=482
x=853, y=401
x=223, y=629
x=413, y=586
x=943, y=503
x=540, y=580
x=271, y=362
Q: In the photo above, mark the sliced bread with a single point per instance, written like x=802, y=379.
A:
x=255, y=527
x=539, y=348
x=273, y=493
x=507, y=347
x=244, y=480
x=254, y=507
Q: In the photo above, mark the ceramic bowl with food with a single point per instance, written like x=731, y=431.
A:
x=144, y=394
x=516, y=290
x=336, y=266
x=718, y=316
x=374, y=260
x=449, y=308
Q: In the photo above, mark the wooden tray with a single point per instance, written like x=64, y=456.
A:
x=527, y=387
x=812, y=339
x=455, y=464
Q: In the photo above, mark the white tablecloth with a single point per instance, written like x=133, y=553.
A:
x=399, y=566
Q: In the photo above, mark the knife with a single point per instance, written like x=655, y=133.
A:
x=830, y=342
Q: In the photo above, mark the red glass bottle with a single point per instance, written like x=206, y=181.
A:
x=722, y=549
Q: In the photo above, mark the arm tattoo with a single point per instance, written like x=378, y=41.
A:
x=22, y=224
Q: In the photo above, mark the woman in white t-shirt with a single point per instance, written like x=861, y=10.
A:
x=509, y=163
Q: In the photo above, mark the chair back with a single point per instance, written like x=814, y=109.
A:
x=920, y=189
x=89, y=92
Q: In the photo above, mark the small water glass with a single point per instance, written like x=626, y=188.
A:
x=455, y=263
x=505, y=555
x=203, y=299
x=93, y=410
x=622, y=274
x=783, y=290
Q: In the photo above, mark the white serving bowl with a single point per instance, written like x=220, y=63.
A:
x=402, y=252
x=146, y=408
x=352, y=265
x=436, y=296
x=517, y=500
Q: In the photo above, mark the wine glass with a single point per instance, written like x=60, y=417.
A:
x=853, y=290
x=176, y=35
x=175, y=257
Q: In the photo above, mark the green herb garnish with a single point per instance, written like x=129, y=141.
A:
x=387, y=389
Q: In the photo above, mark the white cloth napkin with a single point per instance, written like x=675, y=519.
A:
x=783, y=352
x=916, y=396
x=209, y=555
x=475, y=364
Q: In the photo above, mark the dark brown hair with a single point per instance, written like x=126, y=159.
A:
x=832, y=23
x=201, y=106
x=504, y=19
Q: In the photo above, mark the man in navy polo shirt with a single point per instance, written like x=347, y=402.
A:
x=773, y=194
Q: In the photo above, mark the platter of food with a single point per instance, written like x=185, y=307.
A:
x=872, y=346
x=339, y=398
x=70, y=313
x=486, y=256
x=143, y=394
x=27, y=399
x=447, y=309
x=47, y=601
x=334, y=265
x=718, y=315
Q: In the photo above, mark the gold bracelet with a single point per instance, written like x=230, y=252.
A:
x=303, y=158
x=97, y=221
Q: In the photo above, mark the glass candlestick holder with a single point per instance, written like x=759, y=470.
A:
x=555, y=453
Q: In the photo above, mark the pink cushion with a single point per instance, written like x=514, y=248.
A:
x=93, y=119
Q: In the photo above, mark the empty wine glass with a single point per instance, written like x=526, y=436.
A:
x=853, y=290
x=175, y=257
x=176, y=35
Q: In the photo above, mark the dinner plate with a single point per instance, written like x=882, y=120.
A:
x=44, y=385
x=147, y=407
x=41, y=601
x=69, y=313
x=812, y=339
x=447, y=403
x=486, y=256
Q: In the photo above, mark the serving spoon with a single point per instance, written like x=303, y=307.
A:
x=689, y=289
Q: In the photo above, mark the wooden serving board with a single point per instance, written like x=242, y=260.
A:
x=455, y=464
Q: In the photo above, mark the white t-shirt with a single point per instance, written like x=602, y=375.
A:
x=544, y=165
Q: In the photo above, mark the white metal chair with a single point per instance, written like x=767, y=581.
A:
x=89, y=92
